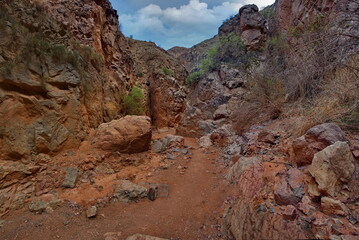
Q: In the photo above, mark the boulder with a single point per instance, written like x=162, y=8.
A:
x=333, y=207
x=248, y=173
x=127, y=191
x=332, y=167
x=315, y=140
x=71, y=175
x=131, y=134
x=143, y=237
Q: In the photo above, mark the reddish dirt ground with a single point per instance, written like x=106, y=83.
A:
x=193, y=210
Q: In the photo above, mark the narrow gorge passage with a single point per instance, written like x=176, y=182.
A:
x=193, y=209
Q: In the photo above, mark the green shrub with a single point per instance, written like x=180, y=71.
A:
x=193, y=78
x=212, y=62
x=133, y=102
x=167, y=72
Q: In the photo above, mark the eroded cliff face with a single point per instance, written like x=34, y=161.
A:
x=64, y=74
x=162, y=77
x=65, y=69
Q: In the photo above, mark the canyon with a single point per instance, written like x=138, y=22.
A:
x=252, y=134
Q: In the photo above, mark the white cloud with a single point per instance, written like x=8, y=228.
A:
x=183, y=26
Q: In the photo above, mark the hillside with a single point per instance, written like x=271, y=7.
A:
x=252, y=134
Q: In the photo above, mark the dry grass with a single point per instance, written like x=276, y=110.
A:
x=337, y=101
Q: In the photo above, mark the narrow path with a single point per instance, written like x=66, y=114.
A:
x=192, y=211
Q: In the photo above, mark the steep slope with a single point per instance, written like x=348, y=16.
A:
x=192, y=57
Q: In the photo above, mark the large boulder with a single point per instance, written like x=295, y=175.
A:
x=131, y=134
x=332, y=167
x=315, y=140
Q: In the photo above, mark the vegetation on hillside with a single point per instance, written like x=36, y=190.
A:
x=133, y=102
x=231, y=50
x=310, y=72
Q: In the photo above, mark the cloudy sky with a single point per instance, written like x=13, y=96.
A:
x=171, y=23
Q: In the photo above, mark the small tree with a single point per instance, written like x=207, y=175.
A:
x=133, y=102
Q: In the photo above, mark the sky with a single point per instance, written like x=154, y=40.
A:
x=171, y=23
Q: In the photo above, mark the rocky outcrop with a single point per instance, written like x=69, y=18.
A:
x=131, y=134
x=258, y=224
x=315, y=140
x=249, y=25
x=161, y=76
x=53, y=83
x=333, y=167
x=290, y=13
x=211, y=102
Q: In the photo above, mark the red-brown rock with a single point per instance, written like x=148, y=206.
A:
x=248, y=172
x=315, y=140
x=242, y=222
x=131, y=134
x=290, y=212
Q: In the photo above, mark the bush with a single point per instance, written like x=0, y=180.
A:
x=133, y=102
x=193, y=78
x=212, y=62
x=167, y=72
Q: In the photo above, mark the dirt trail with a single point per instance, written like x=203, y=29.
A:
x=192, y=211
